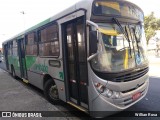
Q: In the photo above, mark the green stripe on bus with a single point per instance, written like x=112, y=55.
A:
x=30, y=61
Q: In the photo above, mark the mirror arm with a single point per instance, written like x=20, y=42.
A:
x=93, y=24
x=92, y=56
x=100, y=41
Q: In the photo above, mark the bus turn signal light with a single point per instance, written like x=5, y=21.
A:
x=100, y=88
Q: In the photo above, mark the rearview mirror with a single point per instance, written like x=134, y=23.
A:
x=93, y=42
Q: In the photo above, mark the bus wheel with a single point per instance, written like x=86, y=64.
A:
x=13, y=72
x=51, y=91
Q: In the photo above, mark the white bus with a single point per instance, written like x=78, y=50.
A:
x=1, y=56
x=92, y=56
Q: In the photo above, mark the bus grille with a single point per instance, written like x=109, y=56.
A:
x=131, y=76
x=126, y=91
x=128, y=100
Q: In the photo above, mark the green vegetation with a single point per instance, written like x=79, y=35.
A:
x=151, y=24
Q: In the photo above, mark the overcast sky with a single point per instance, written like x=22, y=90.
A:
x=12, y=21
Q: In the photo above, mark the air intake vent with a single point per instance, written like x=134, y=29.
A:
x=131, y=76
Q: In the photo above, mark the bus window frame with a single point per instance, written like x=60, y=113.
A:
x=15, y=40
x=10, y=48
x=35, y=42
x=39, y=39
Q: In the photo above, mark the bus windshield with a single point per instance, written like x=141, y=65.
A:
x=120, y=52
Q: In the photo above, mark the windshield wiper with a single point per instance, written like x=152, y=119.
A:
x=124, y=32
x=134, y=33
x=121, y=28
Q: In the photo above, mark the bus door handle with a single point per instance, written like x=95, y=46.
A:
x=83, y=83
x=73, y=81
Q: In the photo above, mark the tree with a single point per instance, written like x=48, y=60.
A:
x=158, y=23
x=151, y=24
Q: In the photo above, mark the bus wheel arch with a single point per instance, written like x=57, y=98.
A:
x=50, y=89
x=46, y=78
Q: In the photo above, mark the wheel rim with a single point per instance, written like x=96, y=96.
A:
x=53, y=92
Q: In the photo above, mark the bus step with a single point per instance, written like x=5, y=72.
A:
x=25, y=81
x=78, y=107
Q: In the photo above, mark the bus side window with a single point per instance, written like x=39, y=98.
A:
x=14, y=48
x=31, y=44
x=49, y=42
x=10, y=48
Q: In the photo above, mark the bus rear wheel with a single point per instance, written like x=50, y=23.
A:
x=51, y=91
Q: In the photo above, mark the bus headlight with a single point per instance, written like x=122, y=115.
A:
x=116, y=95
x=108, y=93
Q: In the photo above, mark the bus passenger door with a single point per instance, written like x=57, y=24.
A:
x=21, y=53
x=75, y=61
x=6, y=56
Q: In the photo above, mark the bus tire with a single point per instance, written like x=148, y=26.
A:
x=13, y=72
x=51, y=92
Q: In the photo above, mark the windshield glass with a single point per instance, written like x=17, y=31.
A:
x=139, y=42
x=120, y=52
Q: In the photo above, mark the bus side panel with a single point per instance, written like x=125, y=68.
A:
x=14, y=60
x=35, y=79
x=61, y=90
x=35, y=76
x=54, y=68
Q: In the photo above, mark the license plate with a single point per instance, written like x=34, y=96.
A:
x=136, y=96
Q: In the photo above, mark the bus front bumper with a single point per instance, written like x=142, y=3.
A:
x=102, y=106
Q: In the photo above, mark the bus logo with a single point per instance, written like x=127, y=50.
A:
x=40, y=67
